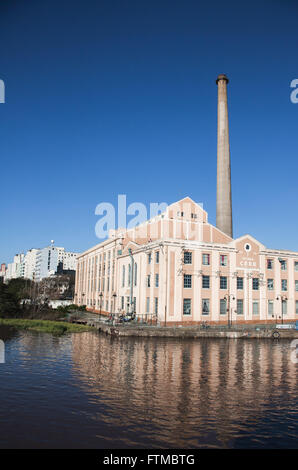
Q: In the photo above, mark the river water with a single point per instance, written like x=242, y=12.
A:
x=88, y=390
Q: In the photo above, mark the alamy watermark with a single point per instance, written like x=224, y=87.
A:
x=294, y=93
x=2, y=352
x=132, y=219
x=2, y=91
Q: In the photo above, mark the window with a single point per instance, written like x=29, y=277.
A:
x=148, y=283
x=270, y=308
x=149, y=258
x=239, y=306
x=223, y=260
x=296, y=307
x=187, y=281
x=223, y=306
x=296, y=286
x=157, y=257
x=122, y=303
x=283, y=264
x=255, y=308
x=134, y=305
x=186, y=306
x=284, y=284
x=284, y=307
x=123, y=276
x=240, y=283
x=156, y=280
x=129, y=276
x=270, y=284
x=187, y=257
x=206, y=282
x=147, y=304
x=194, y=216
x=206, y=259
x=156, y=305
x=269, y=263
x=223, y=282
x=205, y=306
x=255, y=283
x=296, y=265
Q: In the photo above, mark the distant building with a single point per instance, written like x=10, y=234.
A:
x=16, y=268
x=30, y=263
x=37, y=263
x=2, y=271
x=48, y=259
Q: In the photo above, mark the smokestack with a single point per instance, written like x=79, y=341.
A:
x=224, y=193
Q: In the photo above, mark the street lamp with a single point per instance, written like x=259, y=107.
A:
x=282, y=299
x=100, y=302
x=228, y=297
x=114, y=301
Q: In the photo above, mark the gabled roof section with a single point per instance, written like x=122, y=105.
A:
x=249, y=237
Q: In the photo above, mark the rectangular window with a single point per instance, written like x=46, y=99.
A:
x=240, y=283
x=270, y=284
x=148, y=282
x=206, y=282
x=187, y=257
x=269, y=263
x=129, y=276
x=147, y=304
x=123, y=276
x=284, y=284
x=296, y=307
x=149, y=258
x=239, y=306
x=122, y=302
x=223, y=306
x=186, y=306
x=255, y=308
x=205, y=306
x=296, y=286
x=296, y=265
x=156, y=305
x=187, y=281
x=156, y=280
x=255, y=283
x=223, y=282
x=206, y=259
x=134, y=305
x=270, y=308
x=284, y=307
x=157, y=257
x=283, y=264
x=223, y=260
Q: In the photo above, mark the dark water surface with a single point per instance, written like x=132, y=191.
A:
x=92, y=391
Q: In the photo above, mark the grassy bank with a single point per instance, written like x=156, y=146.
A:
x=44, y=326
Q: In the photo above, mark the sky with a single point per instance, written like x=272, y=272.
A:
x=119, y=97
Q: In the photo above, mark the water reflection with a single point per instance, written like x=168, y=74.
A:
x=93, y=391
x=191, y=393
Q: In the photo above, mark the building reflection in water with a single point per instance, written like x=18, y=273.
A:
x=187, y=393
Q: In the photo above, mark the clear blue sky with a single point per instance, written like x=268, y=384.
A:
x=103, y=97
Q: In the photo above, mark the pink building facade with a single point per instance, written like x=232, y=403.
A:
x=180, y=270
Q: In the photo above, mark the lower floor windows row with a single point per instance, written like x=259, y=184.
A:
x=223, y=307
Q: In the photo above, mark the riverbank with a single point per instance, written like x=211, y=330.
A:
x=193, y=332
x=45, y=326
